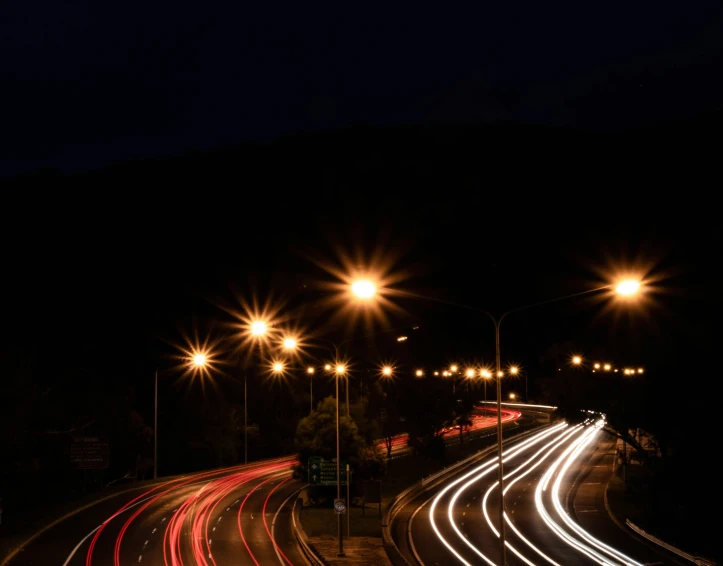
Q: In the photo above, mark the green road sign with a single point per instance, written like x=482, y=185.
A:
x=323, y=471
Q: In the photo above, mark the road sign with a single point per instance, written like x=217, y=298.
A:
x=90, y=453
x=339, y=506
x=323, y=471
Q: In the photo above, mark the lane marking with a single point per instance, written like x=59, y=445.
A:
x=273, y=521
x=86, y=537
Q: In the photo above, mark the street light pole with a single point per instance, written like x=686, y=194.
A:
x=340, y=553
x=338, y=346
x=500, y=467
x=631, y=287
x=197, y=361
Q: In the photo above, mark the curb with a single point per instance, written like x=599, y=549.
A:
x=636, y=532
x=302, y=540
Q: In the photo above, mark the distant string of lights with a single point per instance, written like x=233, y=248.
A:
x=606, y=367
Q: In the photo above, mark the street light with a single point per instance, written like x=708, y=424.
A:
x=337, y=346
x=624, y=288
x=419, y=373
x=577, y=360
x=627, y=287
x=387, y=371
x=364, y=289
x=290, y=343
x=485, y=374
x=340, y=369
x=197, y=361
x=258, y=330
x=310, y=371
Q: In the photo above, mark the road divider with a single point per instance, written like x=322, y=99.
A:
x=307, y=548
x=669, y=547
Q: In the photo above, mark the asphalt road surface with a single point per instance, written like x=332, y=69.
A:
x=554, y=507
x=238, y=515
x=235, y=516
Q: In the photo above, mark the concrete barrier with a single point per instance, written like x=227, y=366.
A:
x=669, y=547
x=305, y=545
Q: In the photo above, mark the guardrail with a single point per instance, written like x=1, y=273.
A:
x=694, y=559
x=392, y=550
x=307, y=548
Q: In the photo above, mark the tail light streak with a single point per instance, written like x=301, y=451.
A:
x=198, y=507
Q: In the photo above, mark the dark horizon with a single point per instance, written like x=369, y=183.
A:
x=86, y=88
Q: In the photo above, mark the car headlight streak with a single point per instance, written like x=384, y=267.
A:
x=548, y=442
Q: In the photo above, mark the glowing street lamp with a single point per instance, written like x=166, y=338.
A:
x=628, y=287
x=607, y=367
x=577, y=360
x=640, y=370
x=453, y=369
x=387, y=371
x=513, y=396
x=327, y=367
x=419, y=373
x=278, y=367
x=259, y=328
x=199, y=360
x=597, y=366
x=290, y=343
x=364, y=289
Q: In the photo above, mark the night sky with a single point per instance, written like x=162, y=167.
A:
x=112, y=293
x=107, y=274
x=87, y=84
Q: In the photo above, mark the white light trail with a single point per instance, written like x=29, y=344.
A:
x=609, y=550
x=566, y=529
x=550, y=447
x=569, y=456
x=479, y=472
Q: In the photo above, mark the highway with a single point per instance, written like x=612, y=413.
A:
x=554, y=507
x=483, y=419
x=232, y=516
x=237, y=515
